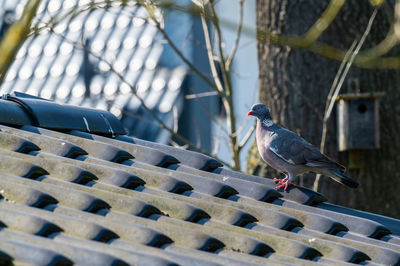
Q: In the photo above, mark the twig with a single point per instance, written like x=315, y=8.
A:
x=348, y=65
x=204, y=107
x=221, y=57
x=330, y=100
x=187, y=62
x=214, y=72
x=197, y=131
x=235, y=46
x=228, y=101
x=343, y=75
x=176, y=145
x=200, y=95
x=175, y=116
x=246, y=137
x=216, y=142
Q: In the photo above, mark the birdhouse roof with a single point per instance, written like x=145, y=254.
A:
x=364, y=95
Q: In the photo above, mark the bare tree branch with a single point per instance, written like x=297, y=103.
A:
x=210, y=55
x=371, y=58
x=54, y=21
x=217, y=142
x=323, y=22
x=235, y=46
x=220, y=41
x=228, y=101
x=175, y=116
x=200, y=95
x=327, y=51
x=143, y=104
x=92, y=6
x=336, y=85
x=247, y=137
x=336, y=89
x=15, y=36
x=382, y=48
x=188, y=63
x=197, y=96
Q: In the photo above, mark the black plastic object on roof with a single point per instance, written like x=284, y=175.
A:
x=23, y=109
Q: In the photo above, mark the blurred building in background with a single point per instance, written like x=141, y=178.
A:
x=103, y=55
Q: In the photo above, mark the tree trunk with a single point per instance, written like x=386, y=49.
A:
x=294, y=84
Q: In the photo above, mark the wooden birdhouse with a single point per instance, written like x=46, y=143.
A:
x=358, y=121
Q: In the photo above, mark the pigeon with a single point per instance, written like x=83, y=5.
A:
x=289, y=153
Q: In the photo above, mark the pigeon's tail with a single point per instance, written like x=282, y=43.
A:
x=342, y=178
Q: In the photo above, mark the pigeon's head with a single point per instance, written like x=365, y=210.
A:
x=260, y=111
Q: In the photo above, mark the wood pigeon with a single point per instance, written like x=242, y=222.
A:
x=289, y=153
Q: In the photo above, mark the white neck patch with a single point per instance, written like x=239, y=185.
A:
x=267, y=122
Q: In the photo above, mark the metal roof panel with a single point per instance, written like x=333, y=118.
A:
x=163, y=205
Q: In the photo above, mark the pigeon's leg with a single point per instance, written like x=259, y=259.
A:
x=284, y=183
x=281, y=181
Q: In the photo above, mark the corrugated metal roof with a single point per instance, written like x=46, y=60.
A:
x=76, y=197
x=55, y=64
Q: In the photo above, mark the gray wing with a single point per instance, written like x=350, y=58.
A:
x=295, y=150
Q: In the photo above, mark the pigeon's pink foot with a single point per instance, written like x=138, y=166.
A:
x=280, y=181
x=284, y=183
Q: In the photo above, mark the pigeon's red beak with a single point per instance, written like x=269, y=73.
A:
x=250, y=113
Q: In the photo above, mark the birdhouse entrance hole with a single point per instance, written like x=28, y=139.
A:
x=362, y=108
